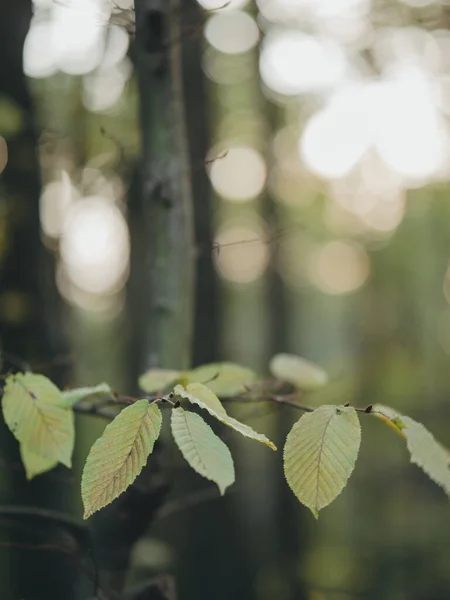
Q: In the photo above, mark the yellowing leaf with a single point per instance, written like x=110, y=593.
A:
x=35, y=412
x=71, y=397
x=199, y=394
x=35, y=464
x=320, y=454
x=224, y=379
x=298, y=371
x=118, y=456
x=157, y=380
x=389, y=416
x=203, y=450
x=202, y=396
x=427, y=453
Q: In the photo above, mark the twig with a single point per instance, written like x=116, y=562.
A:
x=289, y=400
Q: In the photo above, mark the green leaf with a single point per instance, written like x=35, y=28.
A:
x=427, y=453
x=71, y=397
x=157, y=380
x=35, y=412
x=118, y=456
x=389, y=416
x=35, y=464
x=297, y=371
x=320, y=454
x=202, y=396
x=203, y=450
x=224, y=379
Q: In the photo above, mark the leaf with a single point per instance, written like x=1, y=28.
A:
x=71, y=397
x=3, y=153
x=224, y=379
x=389, y=416
x=118, y=456
x=320, y=454
x=156, y=380
x=35, y=464
x=427, y=453
x=202, y=396
x=35, y=412
x=203, y=450
x=298, y=371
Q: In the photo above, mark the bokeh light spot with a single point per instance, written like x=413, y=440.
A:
x=238, y=174
x=339, y=267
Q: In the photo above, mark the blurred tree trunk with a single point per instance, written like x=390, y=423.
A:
x=161, y=286
x=163, y=252
x=29, y=329
x=206, y=316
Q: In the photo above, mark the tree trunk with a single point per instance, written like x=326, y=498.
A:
x=27, y=291
x=164, y=250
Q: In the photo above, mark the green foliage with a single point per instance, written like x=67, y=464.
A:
x=71, y=397
x=157, y=380
x=224, y=379
x=425, y=451
x=118, y=456
x=199, y=394
x=34, y=464
x=35, y=412
x=203, y=450
x=297, y=371
x=320, y=455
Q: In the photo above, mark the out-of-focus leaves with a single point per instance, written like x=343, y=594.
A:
x=35, y=412
x=11, y=116
x=298, y=371
x=157, y=380
x=35, y=464
x=224, y=379
x=3, y=153
x=71, y=397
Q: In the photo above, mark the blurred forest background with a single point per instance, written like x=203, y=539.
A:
x=319, y=153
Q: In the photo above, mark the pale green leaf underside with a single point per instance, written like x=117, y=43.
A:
x=71, y=397
x=202, y=449
x=427, y=453
x=35, y=464
x=320, y=454
x=118, y=456
x=35, y=412
x=157, y=380
x=224, y=379
x=202, y=396
x=298, y=371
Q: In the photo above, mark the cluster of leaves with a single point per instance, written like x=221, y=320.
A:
x=320, y=451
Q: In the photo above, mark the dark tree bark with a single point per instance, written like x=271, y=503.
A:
x=27, y=295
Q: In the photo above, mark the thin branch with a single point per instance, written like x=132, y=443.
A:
x=289, y=400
